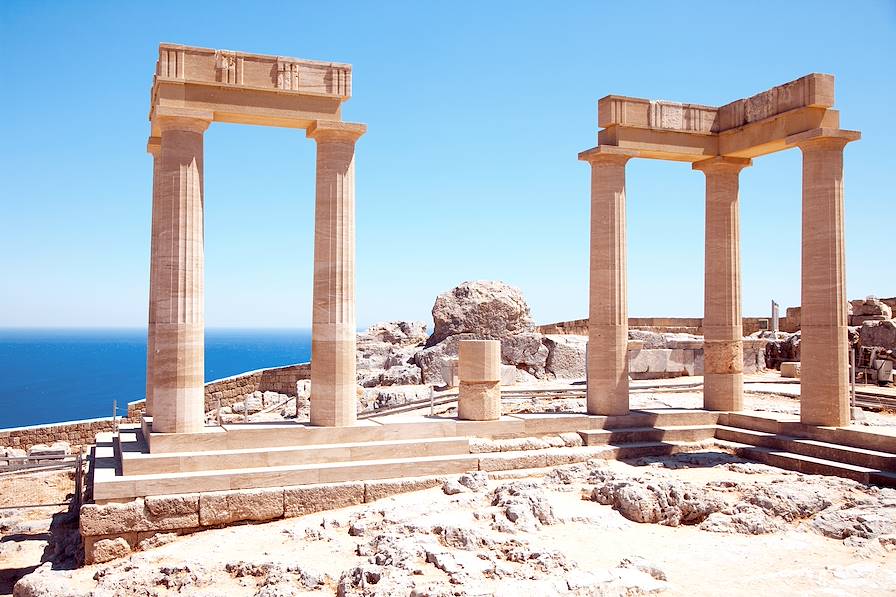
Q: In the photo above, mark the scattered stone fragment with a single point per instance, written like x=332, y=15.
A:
x=453, y=487
x=476, y=481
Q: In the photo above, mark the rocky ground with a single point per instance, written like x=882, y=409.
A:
x=693, y=524
x=30, y=532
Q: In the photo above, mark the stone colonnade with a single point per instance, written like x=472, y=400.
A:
x=823, y=346
x=175, y=355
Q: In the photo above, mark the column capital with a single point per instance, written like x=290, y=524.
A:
x=335, y=130
x=154, y=146
x=822, y=138
x=607, y=154
x=178, y=119
x=722, y=163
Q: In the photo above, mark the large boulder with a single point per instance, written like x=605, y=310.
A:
x=372, y=353
x=566, y=355
x=435, y=361
x=485, y=309
x=878, y=333
x=526, y=352
x=783, y=349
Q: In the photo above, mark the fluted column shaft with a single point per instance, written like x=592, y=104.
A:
x=178, y=318
x=333, y=327
x=607, y=366
x=823, y=346
x=723, y=346
x=154, y=147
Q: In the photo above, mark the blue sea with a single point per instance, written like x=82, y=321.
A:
x=47, y=376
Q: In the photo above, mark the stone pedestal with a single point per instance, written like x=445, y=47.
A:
x=333, y=328
x=479, y=394
x=154, y=147
x=824, y=368
x=177, y=305
x=723, y=348
x=607, y=366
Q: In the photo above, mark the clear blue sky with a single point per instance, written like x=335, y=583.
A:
x=476, y=112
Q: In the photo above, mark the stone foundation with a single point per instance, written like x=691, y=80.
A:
x=113, y=530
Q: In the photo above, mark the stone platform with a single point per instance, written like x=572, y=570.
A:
x=145, y=483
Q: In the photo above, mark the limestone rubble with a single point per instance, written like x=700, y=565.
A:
x=592, y=528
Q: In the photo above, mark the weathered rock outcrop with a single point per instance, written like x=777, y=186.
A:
x=878, y=333
x=869, y=309
x=492, y=310
x=566, y=356
x=385, y=353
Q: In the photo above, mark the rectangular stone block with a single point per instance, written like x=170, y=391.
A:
x=479, y=401
x=377, y=490
x=134, y=516
x=479, y=360
x=511, y=460
x=172, y=505
x=299, y=501
x=225, y=507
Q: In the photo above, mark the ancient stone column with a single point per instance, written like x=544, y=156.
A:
x=479, y=393
x=177, y=314
x=824, y=369
x=333, y=328
x=723, y=346
x=154, y=147
x=607, y=365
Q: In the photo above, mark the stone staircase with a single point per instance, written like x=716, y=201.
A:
x=126, y=468
x=397, y=449
x=863, y=457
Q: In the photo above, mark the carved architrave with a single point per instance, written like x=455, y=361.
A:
x=229, y=67
x=287, y=75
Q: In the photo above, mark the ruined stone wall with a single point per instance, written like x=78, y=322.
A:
x=576, y=327
x=678, y=358
x=579, y=327
x=229, y=389
x=687, y=325
x=235, y=388
x=76, y=433
x=143, y=518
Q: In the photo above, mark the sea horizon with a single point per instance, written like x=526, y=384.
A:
x=56, y=374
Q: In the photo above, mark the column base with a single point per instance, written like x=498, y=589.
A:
x=479, y=401
x=723, y=391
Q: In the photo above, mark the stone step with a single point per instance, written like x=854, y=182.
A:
x=628, y=435
x=111, y=487
x=872, y=459
x=661, y=417
x=866, y=438
x=550, y=457
x=135, y=461
x=816, y=466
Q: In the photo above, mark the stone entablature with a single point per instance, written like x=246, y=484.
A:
x=245, y=88
x=812, y=91
x=745, y=128
x=274, y=73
